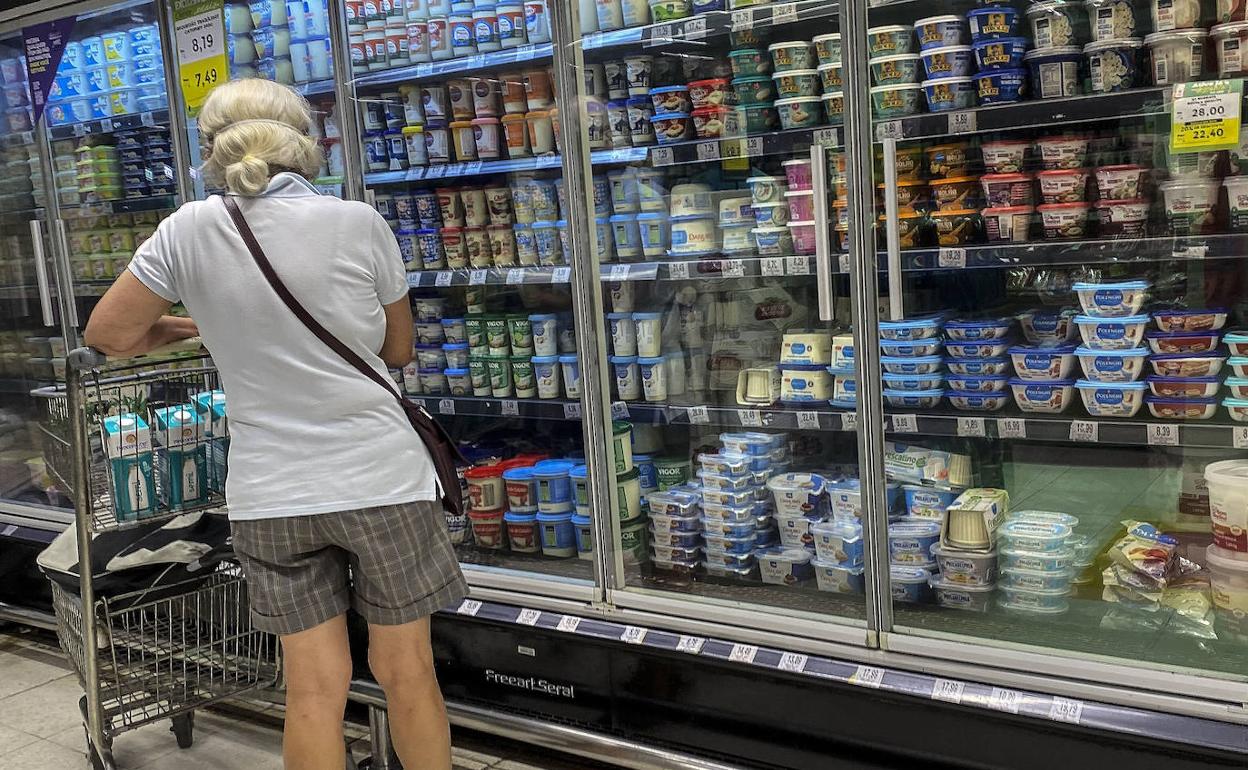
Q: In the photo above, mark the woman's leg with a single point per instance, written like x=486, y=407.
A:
x=401, y=658
x=318, y=676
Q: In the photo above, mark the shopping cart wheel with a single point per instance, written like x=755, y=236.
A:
x=183, y=729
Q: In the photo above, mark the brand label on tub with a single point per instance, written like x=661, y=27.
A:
x=1206, y=116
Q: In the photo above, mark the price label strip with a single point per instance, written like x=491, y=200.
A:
x=568, y=623
x=1163, y=434
x=469, y=607
x=1206, y=116
x=868, y=676
x=690, y=644
x=1011, y=427
x=743, y=653
x=633, y=635
x=199, y=36
x=948, y=690
x=528, y=617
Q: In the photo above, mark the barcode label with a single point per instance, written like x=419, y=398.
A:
x=515, y=275
x=792, y=661
x=477, y=277
x=972, y=427
x=690, y=644
x=698, y=415
x=1160, y=434
x=568, y=623
x=868, y=676
x=469, y=607
x=742, y=653
x=751, y=418
x=1002, y=699
x=808, y=421
x=708, y=151
x=1066, y=710
x=1011, y=427
x=446, y=406
x=528, y=617
x=633, y=635
x=561, y=275
x=947, y=690
x=905, y=423
x=1083, y=430
x=951, y=257
x=509, y=408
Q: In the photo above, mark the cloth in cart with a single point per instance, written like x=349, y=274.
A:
x=144, y=557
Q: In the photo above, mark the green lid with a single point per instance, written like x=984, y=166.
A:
x=628, y=475
x=619, y=427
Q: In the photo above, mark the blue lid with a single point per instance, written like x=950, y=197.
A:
x=935, y=392
x=561, y=223
x=646, y=316
x=1182, y=356
x=451, y=321
x=990, y=323
x=1236, y=402
x=1120, y=285
x=1019, y=41
x=1234, y=336
x=637, y=100
x=908, y=574
x=623, y=359
x=974, y=394
x=911, y=360
x=1123, y=319
x=650, y=361
x=567, y=358
x=1089, y=385
x=692, y=217
x=928, y=322
x=545, y=359
x=806, y=367
x=521, y=226
x=1083, y=350
x=1234, y=382
x=671, y=115
x=1060, y=350
x=427, y=231
x=650, y=215
x=521, y=473
x=1151, y=399
x=597, y=221
x=1051, y=383
x=1184, y=311
x=543, y=317
x=622, y=218
x=455, y=346
x=554, y=518
x=619, y=316
x=519, y=518
x=912, y=377
x=580, y=520
x=1160, y=335
x=994, y=361
x=1180, y=380
x=753, y=79
x=579, y=472
x=545, y=223
x=1012, y=72
x=977, y=377
x=914, y=527
x=456, y=372
x=668, y=89
x=553, y=468
x=990, y=9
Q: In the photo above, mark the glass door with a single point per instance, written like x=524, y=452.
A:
x=1061, y=354
x=715, y=179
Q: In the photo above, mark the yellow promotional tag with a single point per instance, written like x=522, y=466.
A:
x=199, y=33
x=1206, y=116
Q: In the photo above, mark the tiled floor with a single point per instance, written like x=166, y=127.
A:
x=40, y=728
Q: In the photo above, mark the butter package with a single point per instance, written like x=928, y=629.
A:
x=971, y=521
x=128, y=446
x=181, y=457
x=759, y=385
x=806, y=348
x=843, y=352
x=801, y=383
x=210, y=406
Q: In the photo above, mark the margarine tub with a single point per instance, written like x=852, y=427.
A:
x=966, y=567
x=909, y=584
x=1042, y=327
x=975, y=331
x=911, y=348
x=977, y=384
x=906, y=365
x=913, y=381
x=749, y=443
x=806, y=348
x=838, y=541
x=980, y=367
x=795, y=531
x=1120, y=298
x=1122, y=365
x=923, y=502
x=1042, y=363
x=1042, y=396
x=911, y=329
x=1111, y=399
x=985, y=349
x=801, y=383
x=914, y=399
x=838, y=578
x=1117, y=333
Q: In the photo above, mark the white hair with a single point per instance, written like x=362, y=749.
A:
x=252, y=129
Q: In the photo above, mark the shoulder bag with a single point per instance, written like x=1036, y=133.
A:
x=442, y=450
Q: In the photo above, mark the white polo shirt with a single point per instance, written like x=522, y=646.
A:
x=308, y=433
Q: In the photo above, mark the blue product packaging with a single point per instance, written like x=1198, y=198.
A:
x=128, y=446
x=181, y=457
x=210, y=406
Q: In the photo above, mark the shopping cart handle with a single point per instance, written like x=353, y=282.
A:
x=85, y=358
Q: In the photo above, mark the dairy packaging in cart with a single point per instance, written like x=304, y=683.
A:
x=210, y=406
x=128, y=446
x=181, y=457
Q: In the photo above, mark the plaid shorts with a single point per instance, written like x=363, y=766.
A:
x=393, y=564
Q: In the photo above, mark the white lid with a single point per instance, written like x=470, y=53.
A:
x=892, y=57
x=937, y=81
x=812, y=73
x=946, y=49
x=1231, y=561
x=797, y=100
x=751, y=180
x=802, y=223
x=803, y=162
x=890, y=28
x=1229, y=28
x=936, y=20
x=896, y=86
x=789, y=44
x=1175, y=34
x=795, y=193
x=829, y=36
x=836, y=65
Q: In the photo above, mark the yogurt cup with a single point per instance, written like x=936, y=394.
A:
x=1113, y=65
x=895, y=69
x=1112, y=366
x=1001, y=86
x=1111, y=399
x=1042, y=396
x=1054, y=71
x=1117, y=333
x=1043, y=364
x=952, y=93
x=1111, y=299
x=1190, y=205
x=1178, y=55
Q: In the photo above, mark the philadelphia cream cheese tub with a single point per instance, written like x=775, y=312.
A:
x=961, y=596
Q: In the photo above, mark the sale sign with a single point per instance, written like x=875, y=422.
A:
x=45, y=45
x=199, y=34
x=1206, y=116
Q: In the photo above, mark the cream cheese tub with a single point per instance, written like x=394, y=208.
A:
x=1111, y=399
x=1121, y=333
x=1122, y=365
x=1204, y=365
x=1110, y=299
x=798, y=494
x=1178, y=56
x=1228, y=579
x=966, y=568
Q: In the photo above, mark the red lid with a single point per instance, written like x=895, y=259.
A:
x=1125, y=202
x=1006, y=178
x=1062, y=206
x=710, y=110
x=1008, y=210
x=484, y=471
x=1121, y=167
x=494, y=514
x=1063, y=172
x=710, y=83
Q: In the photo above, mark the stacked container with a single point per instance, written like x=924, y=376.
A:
x=1113, y=355
x=114, y=73
x=735, y=514
x=1037, y=562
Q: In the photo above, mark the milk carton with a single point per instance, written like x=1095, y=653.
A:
x=210, y=406
x=181, y=457
x=128, y=446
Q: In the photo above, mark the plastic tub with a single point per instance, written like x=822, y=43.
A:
x=1033, y=580
x=960, y=596
x=1063, y=185
x=1042, y=396
x=837, y=578
x=828, y=48
x=891, y=39
x=711, y=92
x=914, y=399
x=966, y=567
x=936, y=32
x=1190, y=205
x=1122, y=218
x=1119, y=183
x=1111, y=399
x=1113, y=65
x=792, y=55
x=1056, y=22
x=972, y=331
x=952, y=61
x=906, y=365
x=1064, y=220
x=1042, y=364
x=1033, y=536
x=1054, y=71
x=1237, y=408
x=927, y=502
x=1047, y=328
x=1228, y=577
x=798, y=493
x=1238, y=386
x=1181, y=408
x=1229, y=43
x=952, y=93
x=1005, y=156
x=984, y=349
x=911, y=349
x=672, y=127
x=897, y=101
x=978, y=402
x=1112, y=299
x=784, y=566
x=910, y=542
x=994, y=21
x=1037, y=561
x=1178, y=55
x=838, y=541
x=1206, y=365
x=1122, y=333
x=895, y=69
x=977, y=367
x=1026, y=602
x=910, y=584
x=952, y=193
x=487, y=528
x=977, y=384
x=1187, y=343
x=794, y=83
x=913, y=381
x=911, y=329
x=1007, y=190
x=1001, y=86
x=1237, y=202
x=1003, y=53
x=522, y=532
x=800, y=112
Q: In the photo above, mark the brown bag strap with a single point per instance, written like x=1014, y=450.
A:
x=314, y=326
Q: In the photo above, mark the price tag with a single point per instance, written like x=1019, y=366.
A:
x=773, y=267
x=528, y=617
x=1083, y=430
x=742, y=653
x=951, y=257
x=509, y=408
x=678, y=270
x=971, y=427
x=783, y=13
x=1239, y=437
x=751, y=418
x=413, y=280
x=708, y=150
x=797, y=265
x=477, y=277
x=618, y=273
x=868, y=676
x=698, y=415
x=1011, y=427
x=572, y=411
x=962, y=122
x=660, y=34
x=947, y=690
x=792, y=661
x=827, y=137
x=808, y=421
x=435, y=171
x=469, y=607
x=515, y=275
x=421, y=403
x=1163, y=434
x=467, y=169
x=905, y=423
x=561, y=275
x=1002, y=699
x=753, y=146
x=661, y=156
x=415, y=174
x=446, y=406
x=633, y=635
x=889, y=129
x=742, y=19
x=842, y=263
x=619, y=410
x=79, y=129
x=732, y=268
x=849, y=421
x=695, y=28
x=568, y=623
x=1206, y=116
x=690, y=644
x=444, y=278
x=199, y=36
x=1066, y=710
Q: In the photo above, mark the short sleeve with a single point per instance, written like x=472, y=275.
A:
x=152, y=262
x=390, y=275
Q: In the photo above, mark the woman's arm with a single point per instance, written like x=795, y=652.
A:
x=130, y=320
x=396, y=349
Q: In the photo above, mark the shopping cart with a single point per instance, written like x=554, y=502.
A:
x=166, y=650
